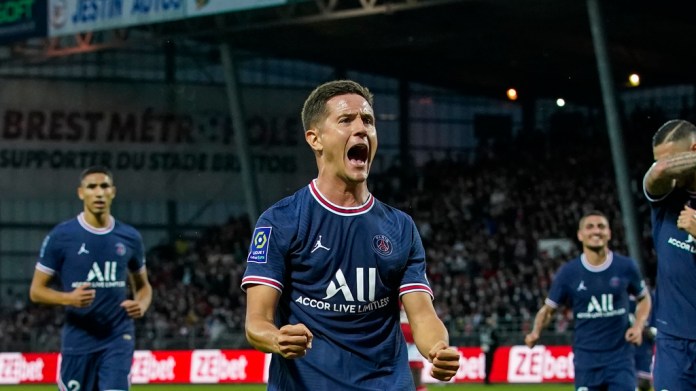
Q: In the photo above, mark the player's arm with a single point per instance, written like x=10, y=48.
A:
x=430, y=335
x=541, y=320
x=290, y=341
x=41, y=293
x=662, y=175
x=142, y=295
x=635, y=333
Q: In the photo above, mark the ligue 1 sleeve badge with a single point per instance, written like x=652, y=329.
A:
x=382, y=245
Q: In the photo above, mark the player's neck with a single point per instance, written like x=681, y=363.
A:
x=596, y=257
x=341, y=193
x=101, y=220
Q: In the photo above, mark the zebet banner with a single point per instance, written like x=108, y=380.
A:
x=516, y=364
x=161, y=144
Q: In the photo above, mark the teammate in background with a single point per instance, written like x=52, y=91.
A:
x=415, y=361
x=670, y=186
x=93, y=256
x=597, y=285
x=327, y=267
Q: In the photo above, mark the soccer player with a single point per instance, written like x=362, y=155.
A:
x=327, y=267
x=670, y=186
x=92, y=256
x=597, y=285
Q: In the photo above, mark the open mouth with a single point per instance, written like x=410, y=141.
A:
x=359, y=154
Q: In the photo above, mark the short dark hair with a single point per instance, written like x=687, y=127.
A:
x=592, y=213
x=674, y=130
x=96, y=170
x=314, y=108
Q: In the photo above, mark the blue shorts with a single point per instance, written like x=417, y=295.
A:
x=675, y=363
x=644, y=360
x=617, y=377
x=106, y=369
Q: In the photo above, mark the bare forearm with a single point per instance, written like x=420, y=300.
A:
x=661, y=175
x=144, y=296
x=427, y=333
x=262, y=335
x=643, y=311
x=679, y=165
x=46, y=295
x=542, y=319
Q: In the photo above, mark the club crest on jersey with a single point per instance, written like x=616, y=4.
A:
x=120, y=249
x=382, y=245
x=614, y=282
x=258, y=251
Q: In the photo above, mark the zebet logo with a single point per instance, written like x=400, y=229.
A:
x=106, y=278
x=363, y=285
x=601, y=307
x=15, y=10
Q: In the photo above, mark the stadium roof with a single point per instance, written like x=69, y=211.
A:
x=540, y=47
x=543, y=48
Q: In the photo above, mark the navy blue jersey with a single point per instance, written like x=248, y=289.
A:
x=81, y=254
x=675, y=285
x=340, y=272
x=599, y=297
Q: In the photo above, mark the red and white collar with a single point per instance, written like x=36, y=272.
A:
x=340, y=210
x=95, y=230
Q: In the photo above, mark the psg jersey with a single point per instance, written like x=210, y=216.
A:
x=340, y=272
x=675, y=286
x=80, y=254
x=599, y=297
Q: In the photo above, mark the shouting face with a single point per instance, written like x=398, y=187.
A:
x=346, y=140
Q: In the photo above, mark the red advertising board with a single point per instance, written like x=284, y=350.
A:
x=512, y=364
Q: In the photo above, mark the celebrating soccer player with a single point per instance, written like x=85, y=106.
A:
x=328, y=265
x=670, y=186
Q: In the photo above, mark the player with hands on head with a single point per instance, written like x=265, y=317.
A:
x=328, y=265
x=597, y=286
x=94, y=257
x=670, y=187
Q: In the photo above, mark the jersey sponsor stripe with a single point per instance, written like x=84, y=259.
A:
x=258, y=280
x=45, y=269
x=551, y=303
x=408, y=288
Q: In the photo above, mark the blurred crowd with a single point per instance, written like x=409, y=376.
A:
x=495, y=229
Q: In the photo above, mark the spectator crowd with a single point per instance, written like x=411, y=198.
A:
x=482, y=222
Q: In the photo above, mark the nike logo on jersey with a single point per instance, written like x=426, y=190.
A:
x=581, y=286
x=82, y=250
x=318, y=245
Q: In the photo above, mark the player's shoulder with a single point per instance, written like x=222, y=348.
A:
x=287, y=209
x=126, y=229
x=571, y=266
x=621, y=260
x=391, y=212
x=66, y=227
